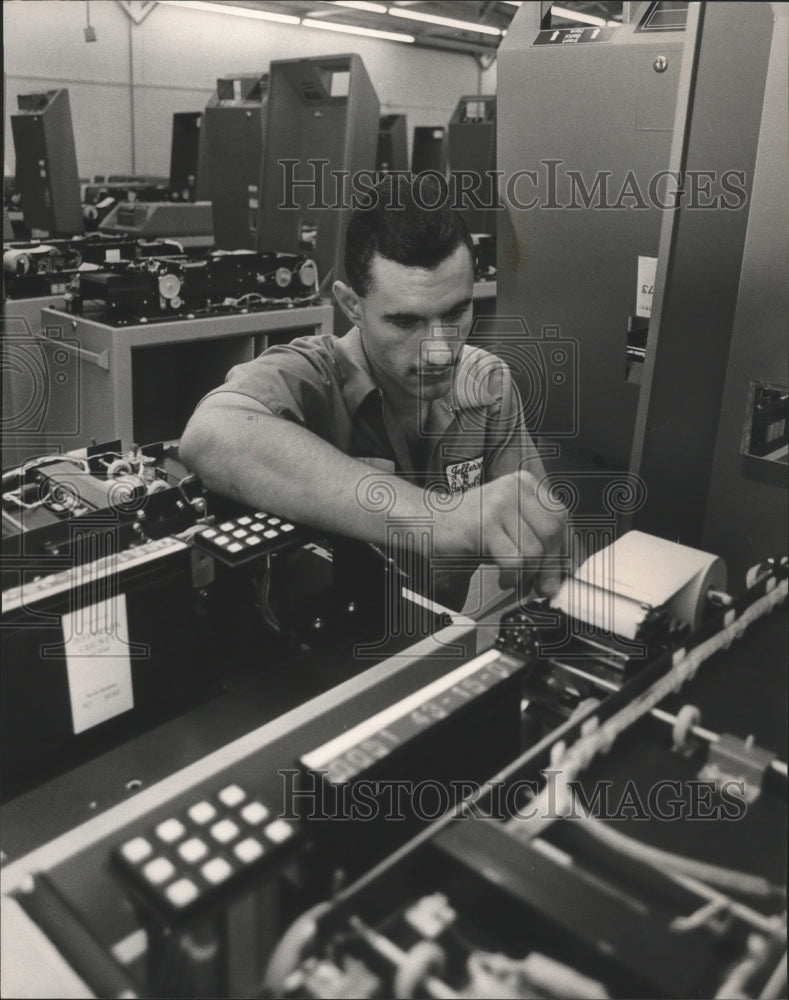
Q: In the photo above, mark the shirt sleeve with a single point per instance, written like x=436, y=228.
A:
x=509, y=445
x=294, y=381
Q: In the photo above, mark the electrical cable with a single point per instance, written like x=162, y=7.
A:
x=34, y=463
x=728, y=879
x=291, y=947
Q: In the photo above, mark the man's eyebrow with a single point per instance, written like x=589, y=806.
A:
x=403, y=317
x=458, y=307
x=407, y=317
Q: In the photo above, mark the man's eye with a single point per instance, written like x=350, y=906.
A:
x=405, y=323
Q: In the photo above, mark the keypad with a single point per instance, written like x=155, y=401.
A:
x=184, y=860
x=248, y=537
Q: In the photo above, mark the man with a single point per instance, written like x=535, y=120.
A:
x=297, y=430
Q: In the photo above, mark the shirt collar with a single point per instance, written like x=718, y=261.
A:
x=356, y=380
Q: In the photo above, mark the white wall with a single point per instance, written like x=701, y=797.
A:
x=174, y=58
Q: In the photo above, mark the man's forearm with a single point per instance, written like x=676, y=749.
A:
x=276, y=465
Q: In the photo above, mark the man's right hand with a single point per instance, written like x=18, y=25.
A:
x=513, y=521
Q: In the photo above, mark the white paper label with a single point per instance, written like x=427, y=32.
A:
x=340, y=84
x=98, y=664
x=647, y=268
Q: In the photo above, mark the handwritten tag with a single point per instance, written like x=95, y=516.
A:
x=98, y=662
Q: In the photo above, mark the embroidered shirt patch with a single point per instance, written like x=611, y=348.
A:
x=462, y=476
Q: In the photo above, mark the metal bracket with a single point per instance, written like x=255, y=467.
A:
x=101, y=360
x=136, y=10
x=734, y=759
x=203, y=569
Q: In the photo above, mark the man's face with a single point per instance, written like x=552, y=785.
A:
x=414, y=323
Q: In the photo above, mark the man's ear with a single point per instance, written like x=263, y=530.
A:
x=348, y=301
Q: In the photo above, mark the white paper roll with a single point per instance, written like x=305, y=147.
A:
x=605, y=610
x=689, y=604
x=616, y=586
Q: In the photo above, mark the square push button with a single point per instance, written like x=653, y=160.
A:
x=254, y=813
x=170, y=830
x=248, y=850
x=232, y=795
x=158, y=870
x=224, y=831
x=193, y=850
x=182, y=892
x=278, y=831
x=216, y=870
x=136, y=850
x=201, y=813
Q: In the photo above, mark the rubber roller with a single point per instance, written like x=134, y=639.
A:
x=127, y=493
x=169, y=286
x=308, y=274
x=682, y=742
x=283, y=277
x=119, y=467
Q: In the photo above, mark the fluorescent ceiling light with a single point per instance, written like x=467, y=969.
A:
x=351, y=29
x=574, y=15
x=221, y=8
x=447, y=22
x=372, y=8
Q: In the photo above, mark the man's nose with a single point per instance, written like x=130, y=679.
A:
x=442, y=347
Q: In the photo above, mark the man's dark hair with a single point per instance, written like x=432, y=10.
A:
x=409, y=223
